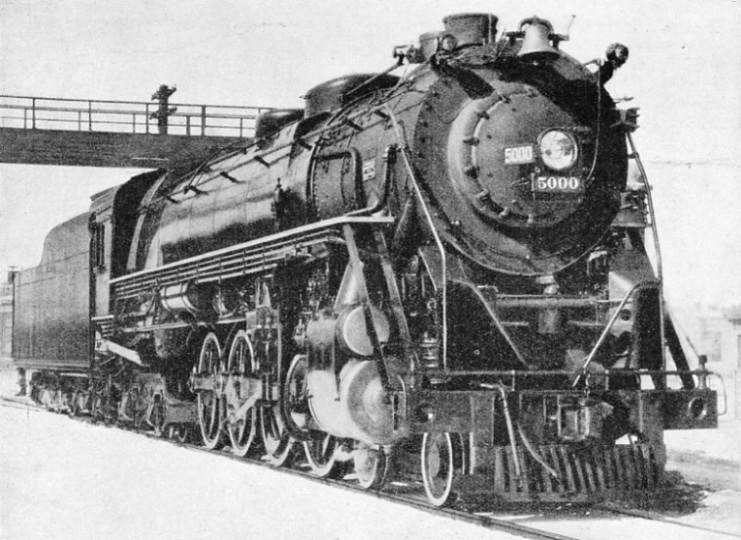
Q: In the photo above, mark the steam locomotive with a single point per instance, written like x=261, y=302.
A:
x=441, y=275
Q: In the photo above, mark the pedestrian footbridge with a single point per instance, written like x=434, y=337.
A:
x=55, y=131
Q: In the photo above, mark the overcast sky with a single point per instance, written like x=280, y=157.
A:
x=684, y=72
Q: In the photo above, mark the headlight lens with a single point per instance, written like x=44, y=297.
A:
x=558, y=150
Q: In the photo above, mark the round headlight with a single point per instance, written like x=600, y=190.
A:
x=558, y=150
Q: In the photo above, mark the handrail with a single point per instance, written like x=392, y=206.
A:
x=30, y=112
x=401, y=137
x=657, y=248
x=605, y=332
x=132, y=102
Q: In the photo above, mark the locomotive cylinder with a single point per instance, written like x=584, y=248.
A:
x=357, y=407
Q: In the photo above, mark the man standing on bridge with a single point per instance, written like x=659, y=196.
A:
x=163, y=112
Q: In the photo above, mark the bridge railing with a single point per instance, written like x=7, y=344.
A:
x=27, y=112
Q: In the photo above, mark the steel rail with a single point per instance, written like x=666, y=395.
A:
x=644, y=514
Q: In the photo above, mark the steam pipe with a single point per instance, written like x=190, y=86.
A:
x=510, y=431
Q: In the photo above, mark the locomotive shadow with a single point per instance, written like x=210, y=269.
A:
x=675, y=497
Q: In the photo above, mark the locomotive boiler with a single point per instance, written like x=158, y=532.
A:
x=441, y=275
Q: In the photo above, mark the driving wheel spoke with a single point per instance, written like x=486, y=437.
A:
x=209, y=401
x=241, y=425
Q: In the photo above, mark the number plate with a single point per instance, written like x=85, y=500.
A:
x=557, y=184
x=369, y=169
x=516, y=155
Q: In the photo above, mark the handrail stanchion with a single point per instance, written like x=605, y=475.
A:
x=48, y=113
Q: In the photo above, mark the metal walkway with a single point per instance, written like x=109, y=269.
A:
x=53, y=131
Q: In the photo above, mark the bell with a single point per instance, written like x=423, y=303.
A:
x=536, y=37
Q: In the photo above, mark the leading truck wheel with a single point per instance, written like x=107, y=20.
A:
x=321, y=454
x=209, y=401
x=438, y=468
x=371, y=467
x=179, y=432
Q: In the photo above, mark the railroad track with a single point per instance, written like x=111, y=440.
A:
x=547, y=523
